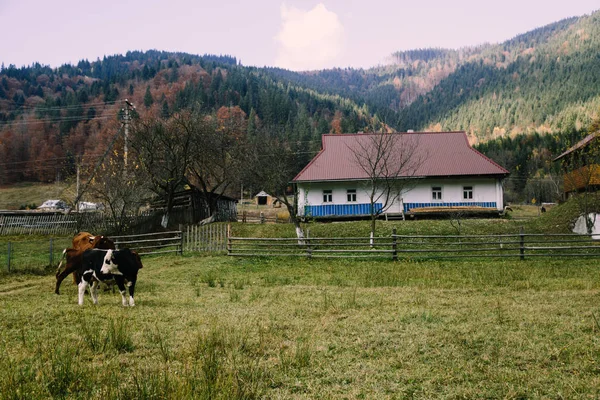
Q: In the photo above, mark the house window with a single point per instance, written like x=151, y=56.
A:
x=468, y=192
x=351, y=193
x=327, y=196
x=436, y=192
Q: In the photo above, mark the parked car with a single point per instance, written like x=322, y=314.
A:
x=54, y=205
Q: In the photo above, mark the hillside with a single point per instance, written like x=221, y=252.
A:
x=541, y=81
x=51, y=118
x=544, y=81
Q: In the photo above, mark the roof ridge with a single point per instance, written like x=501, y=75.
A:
x=390, y=133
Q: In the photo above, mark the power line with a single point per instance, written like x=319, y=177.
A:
x=47, y=159
x=42, y=108
x=54, y=120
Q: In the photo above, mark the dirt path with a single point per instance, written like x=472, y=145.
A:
x=11, y=288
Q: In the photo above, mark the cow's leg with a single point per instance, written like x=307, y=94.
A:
x=131, y=290
x=94, y=292
x=82, y=285
x=62, y=275
x=121, y=284
x=62, y=259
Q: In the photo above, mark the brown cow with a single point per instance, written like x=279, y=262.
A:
x=74, y=258
x=83, y=241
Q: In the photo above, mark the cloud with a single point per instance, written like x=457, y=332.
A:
x=309, y=40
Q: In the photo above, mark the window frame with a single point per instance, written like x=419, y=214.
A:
x=351, y=195
x=437, y=190
x=468, y=191
x=327, y=196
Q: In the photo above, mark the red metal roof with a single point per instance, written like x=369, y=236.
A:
x=441, y=154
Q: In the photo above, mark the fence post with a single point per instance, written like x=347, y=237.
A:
x=522, y=242
x=307, y=241
x=51, y=250
x=181, y=243
x=394, y=245
x=262, y=217
x=8, y=257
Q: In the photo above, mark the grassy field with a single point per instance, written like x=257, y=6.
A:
x=24, y=194
x=221, y=328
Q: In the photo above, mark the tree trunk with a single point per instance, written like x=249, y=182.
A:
x=294, y=218
x=164, y=222
x=373, y=222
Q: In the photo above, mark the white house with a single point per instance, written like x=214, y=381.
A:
x=450, y=175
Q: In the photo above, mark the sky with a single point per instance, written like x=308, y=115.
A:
x=292, y=34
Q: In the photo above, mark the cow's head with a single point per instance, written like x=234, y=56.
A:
x=103, y=242
x=109, y=266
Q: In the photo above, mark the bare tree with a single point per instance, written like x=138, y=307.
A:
x=272, y=166
x=390, y=162
x=219, y=152
x=163, y=149
x=121, y=194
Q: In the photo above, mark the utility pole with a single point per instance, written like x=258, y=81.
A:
x=77, y=198
x=126, y=118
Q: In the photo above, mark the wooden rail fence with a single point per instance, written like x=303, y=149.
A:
x=421, y=247
x=211, y=237
x=152, y=243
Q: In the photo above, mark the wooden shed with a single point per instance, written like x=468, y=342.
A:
x=263, y=199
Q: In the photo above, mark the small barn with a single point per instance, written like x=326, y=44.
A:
x=191, y=206
x=263, y=199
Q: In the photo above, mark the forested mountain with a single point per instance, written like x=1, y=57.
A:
x=51, y=117
x=544, y=84
x=546, y=80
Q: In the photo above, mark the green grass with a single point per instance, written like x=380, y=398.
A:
x=226, y=328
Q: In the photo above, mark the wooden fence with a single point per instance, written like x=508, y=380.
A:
x=211, y=237
x=152, y=243
x=68, y=224
x=348, y=247
x=421, y=247
x=44, y=224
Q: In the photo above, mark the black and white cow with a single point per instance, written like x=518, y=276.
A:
x=105, y=265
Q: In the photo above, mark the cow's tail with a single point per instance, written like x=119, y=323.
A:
x=62, y=259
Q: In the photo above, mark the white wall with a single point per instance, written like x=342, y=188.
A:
x=484, y=190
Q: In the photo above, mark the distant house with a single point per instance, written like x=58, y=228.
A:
x=580, y=165
x=452, y=176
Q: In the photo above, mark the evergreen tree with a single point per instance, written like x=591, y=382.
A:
x=165, y=113
x=148, y=100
